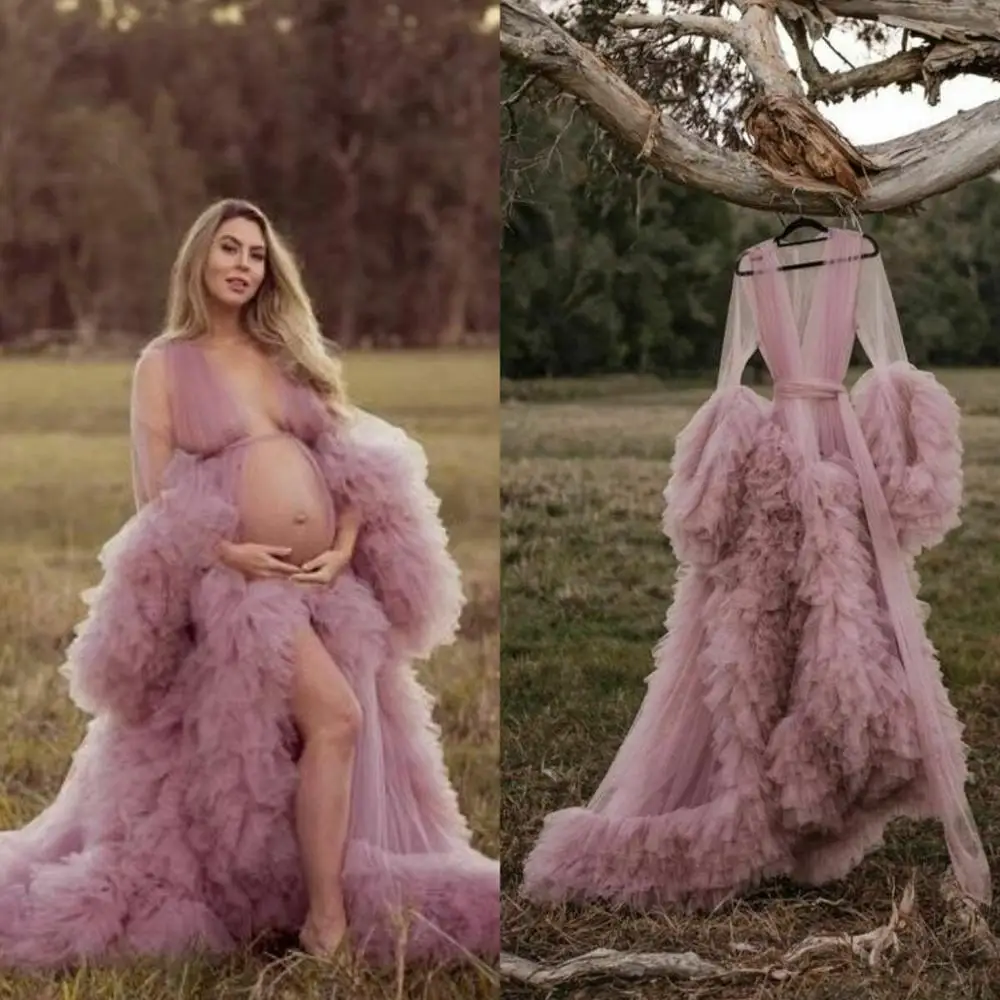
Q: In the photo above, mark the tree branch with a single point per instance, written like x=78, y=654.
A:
x=754, y=37
x=605, y=962
x=719, y=28
x=912, y=168
x=928, y=65
x=950, y=20
x=874, y=945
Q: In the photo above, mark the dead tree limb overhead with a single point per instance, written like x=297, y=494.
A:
x=795, y=160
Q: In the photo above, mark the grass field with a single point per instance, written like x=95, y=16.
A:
x=64, y=490
x=586, y=580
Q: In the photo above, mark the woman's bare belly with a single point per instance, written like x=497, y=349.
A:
x=283, y=500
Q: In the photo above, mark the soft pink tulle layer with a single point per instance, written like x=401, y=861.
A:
x=175, y=827
x=777, y=736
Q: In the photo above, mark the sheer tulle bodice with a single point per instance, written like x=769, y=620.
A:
x=269, y=470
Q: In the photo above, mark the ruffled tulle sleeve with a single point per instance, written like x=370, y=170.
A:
x=125, y=652
x=703, y=494
x=912, y=426
x=402, y=547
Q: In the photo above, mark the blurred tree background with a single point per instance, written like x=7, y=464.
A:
x=606, y=267
x=367, y=131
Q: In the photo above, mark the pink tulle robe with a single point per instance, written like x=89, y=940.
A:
x=797, y=705
x=174, y=828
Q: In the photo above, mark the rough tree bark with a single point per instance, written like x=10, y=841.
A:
x=797, y=161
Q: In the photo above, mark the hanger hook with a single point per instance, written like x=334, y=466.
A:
x=849, y=213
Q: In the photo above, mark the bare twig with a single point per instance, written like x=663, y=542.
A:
x=874, y=944
x=531, y=80
x=559, y=138
x=840, y=55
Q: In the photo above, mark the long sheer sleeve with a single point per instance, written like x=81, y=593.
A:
x=151, y=425
x=701, y=497
x=740, y=341
x=876, y=317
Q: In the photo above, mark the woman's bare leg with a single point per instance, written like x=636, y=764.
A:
x=328, y=718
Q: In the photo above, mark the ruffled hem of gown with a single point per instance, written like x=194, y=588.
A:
x=176, y=832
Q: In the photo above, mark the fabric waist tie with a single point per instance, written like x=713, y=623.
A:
x=808, y=388
x=947, y=793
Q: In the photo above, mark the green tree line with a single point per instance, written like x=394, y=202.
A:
x=606, y=267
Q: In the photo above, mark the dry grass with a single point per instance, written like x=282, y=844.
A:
x=587, y=578
x=64, y=490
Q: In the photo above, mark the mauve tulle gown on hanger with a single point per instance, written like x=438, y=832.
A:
x=797, y=705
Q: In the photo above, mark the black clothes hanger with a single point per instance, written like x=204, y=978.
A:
x=804, y=222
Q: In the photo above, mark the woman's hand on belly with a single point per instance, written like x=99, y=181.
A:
x=325, y=568
x=256, y=561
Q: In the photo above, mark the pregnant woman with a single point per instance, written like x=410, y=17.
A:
x=261, y=756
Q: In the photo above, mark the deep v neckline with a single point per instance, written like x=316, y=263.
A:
x=786, y=303
x=238, y=414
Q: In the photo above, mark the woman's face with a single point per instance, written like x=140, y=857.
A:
x=237, y=261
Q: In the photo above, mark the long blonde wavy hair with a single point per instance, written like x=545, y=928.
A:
x=279, y=317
